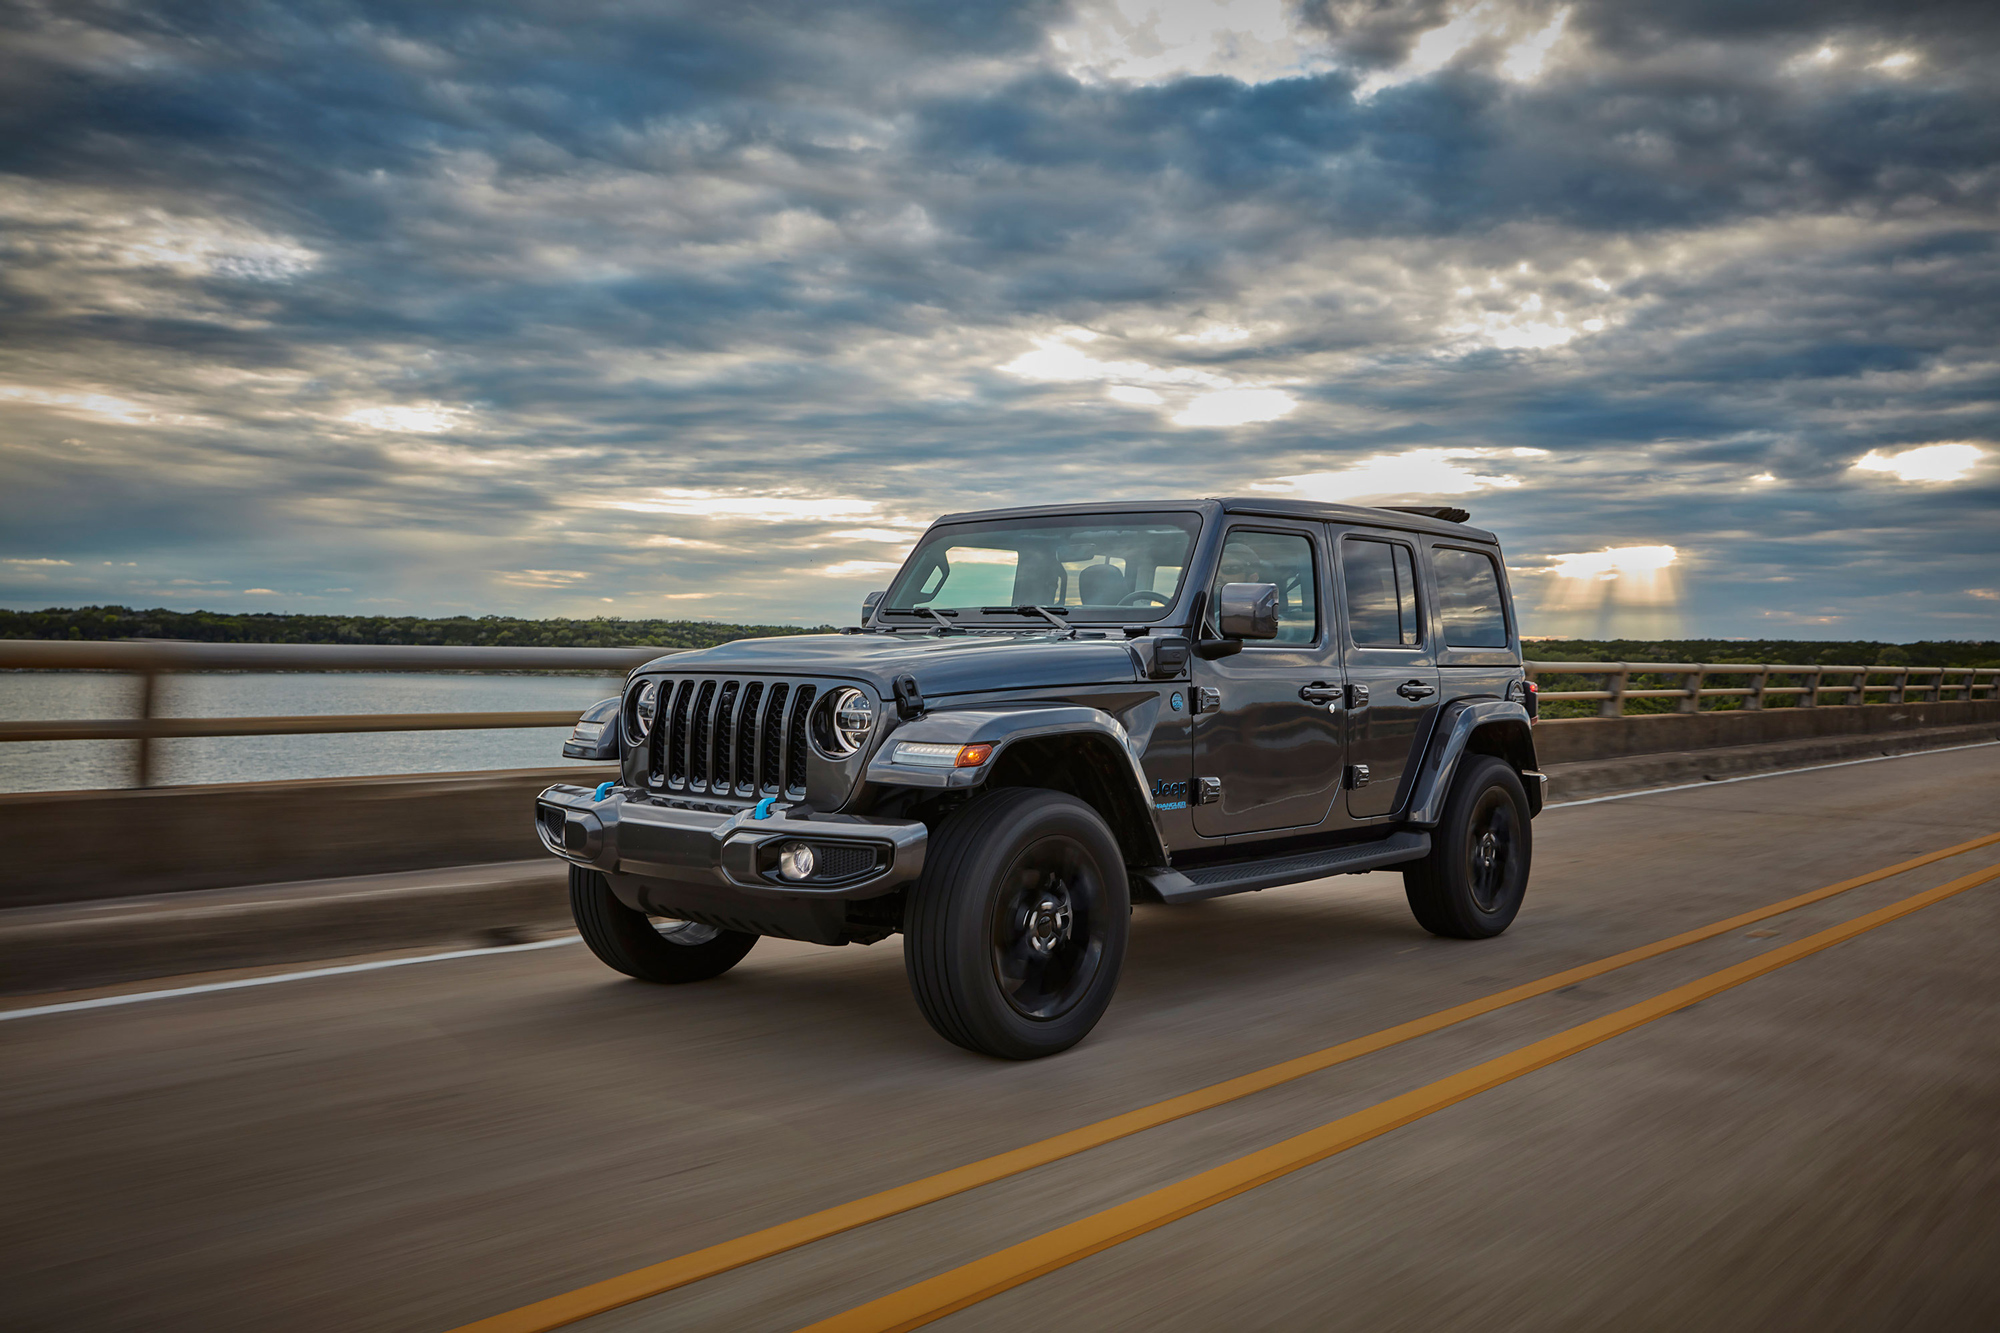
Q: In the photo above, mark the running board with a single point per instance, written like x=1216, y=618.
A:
x=1178, y=886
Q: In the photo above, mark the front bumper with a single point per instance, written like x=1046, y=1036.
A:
x=630, y=835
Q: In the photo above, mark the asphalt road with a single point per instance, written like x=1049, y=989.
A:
x=418, y=1147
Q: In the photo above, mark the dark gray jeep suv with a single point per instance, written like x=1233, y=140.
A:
x=1053, y=713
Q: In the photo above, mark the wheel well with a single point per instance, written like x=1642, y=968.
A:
x=1095, y=771
x=1508, y=739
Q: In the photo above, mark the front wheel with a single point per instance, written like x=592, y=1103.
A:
x=1014, y=934
x=649, y=948
x=1471, y=884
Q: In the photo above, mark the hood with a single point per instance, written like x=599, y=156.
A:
x=942, y=664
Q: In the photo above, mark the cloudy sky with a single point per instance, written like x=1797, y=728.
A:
x=703, y=310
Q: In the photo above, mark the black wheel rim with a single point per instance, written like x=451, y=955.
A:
x=1492, y=847
x=1048, y=928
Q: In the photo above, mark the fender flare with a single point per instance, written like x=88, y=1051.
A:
x=1006, y=727
x=1450, y=740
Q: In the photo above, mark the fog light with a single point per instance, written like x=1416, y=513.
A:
x=795, y=861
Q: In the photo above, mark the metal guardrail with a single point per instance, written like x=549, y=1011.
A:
x=149, y=659
x=1853, y=684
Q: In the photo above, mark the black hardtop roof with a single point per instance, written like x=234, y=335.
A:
x=1269, y=506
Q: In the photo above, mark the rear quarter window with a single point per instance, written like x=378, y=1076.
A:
x=1469, y=600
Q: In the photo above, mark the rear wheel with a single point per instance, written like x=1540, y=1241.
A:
x=1014, y=935
x=1471, y=885
x=649, y=948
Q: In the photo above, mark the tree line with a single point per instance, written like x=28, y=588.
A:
x=123, y=622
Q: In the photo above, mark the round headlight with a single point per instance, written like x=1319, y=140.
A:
x=644, y=708
x=850, y=714
x=795, y=861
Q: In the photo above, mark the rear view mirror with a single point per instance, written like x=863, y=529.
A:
x=869, y=603
x=1247, y=610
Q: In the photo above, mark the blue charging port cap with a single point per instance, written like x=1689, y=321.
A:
x=603, y=790
x=763, y=810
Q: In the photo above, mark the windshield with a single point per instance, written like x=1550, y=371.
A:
x=1097, y=567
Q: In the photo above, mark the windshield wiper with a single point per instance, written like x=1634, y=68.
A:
x=932, y=612
x=1048, y=613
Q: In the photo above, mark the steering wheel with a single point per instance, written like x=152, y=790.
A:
x=1130, y=598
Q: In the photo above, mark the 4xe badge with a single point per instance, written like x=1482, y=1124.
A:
x=1176, y=702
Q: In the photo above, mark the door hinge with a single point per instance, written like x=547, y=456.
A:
x=1207, y=699
x=1207, y=791
x=1357, y=694
x=1357, y=776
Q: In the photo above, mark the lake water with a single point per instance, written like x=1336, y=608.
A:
x=67, y=765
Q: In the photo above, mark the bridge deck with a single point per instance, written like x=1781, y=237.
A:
x=421, y=1146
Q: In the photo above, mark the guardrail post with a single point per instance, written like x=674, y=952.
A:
x=1755, y=699
x=1809, y=679
x=1901, y=687
x=143, y=758
x=1614, y=681
x=1691, y=682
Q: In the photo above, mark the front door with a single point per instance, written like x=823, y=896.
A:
x=1392, y=675
x=1267, y=757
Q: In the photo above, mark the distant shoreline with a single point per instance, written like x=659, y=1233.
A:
x=101, y=623
x=124, y=622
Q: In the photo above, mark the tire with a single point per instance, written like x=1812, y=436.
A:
x=1014, y=935
x=1471, y=884
x=633, y=943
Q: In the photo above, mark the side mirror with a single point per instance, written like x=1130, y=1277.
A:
x=870, y=602
x=1247, y=610
x=596, y=733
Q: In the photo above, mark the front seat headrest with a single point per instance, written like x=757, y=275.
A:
x=1101, y=585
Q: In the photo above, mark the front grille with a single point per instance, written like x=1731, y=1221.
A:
x=731, y=737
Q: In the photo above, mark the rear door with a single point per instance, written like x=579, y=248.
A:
x=1391, y=667
x=1275, y=752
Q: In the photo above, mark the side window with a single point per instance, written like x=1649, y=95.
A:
x=1381, y=593
x=1283, y=558
x=1469, y=598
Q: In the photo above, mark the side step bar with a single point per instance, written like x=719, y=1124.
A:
x=1176, y=886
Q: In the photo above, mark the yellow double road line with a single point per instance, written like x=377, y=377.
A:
x=656, y=1279
x=915, y=1306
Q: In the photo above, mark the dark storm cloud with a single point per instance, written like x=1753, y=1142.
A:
x=557, y=307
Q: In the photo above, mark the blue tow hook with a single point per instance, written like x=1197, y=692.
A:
x=603, y=790
x=763, y=810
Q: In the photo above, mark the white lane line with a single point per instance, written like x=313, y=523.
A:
x=139, y=997
x=1752, y=777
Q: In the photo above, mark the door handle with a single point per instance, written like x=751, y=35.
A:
x=1319, y=692
x=1415, y=689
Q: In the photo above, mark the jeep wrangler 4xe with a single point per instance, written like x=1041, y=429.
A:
x=1053, y=713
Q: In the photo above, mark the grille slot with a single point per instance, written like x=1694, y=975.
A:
x=746, y=740
x=795, y=738
x=677, y=736
x=725, y=749
x=700, y=732
x=771, y=759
